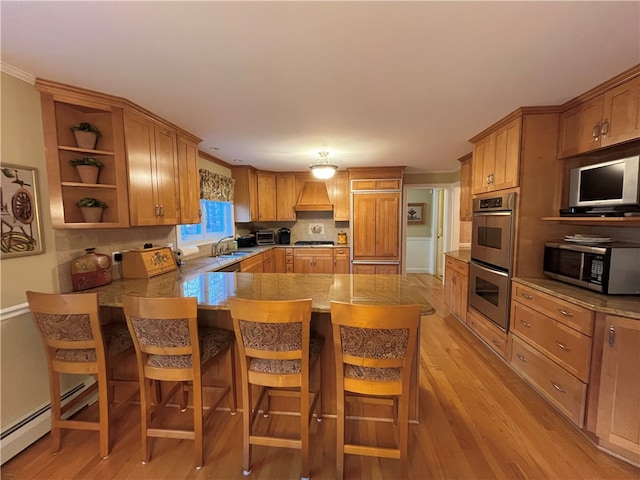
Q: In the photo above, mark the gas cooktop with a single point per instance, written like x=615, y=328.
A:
x=314, y=242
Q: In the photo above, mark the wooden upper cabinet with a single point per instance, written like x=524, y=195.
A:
x=285, y=197
x=266, y=196
x=579, y=128
x=338, y=188
x=605, y=119
x=189, y=181
x=152, y=160
x=466, y=199
x=621, y=113
x=496, y=159
x=245, y=199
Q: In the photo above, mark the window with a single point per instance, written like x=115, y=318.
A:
x=216, y=223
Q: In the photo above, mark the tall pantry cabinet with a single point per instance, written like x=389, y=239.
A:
x=376, y=198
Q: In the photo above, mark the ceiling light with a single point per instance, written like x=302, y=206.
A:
x=323, y=169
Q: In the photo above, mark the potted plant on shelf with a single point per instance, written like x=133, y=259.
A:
x=88, y=168
x=92, y=209
x=86, y=135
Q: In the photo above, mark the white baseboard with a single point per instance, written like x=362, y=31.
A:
x=36, y=424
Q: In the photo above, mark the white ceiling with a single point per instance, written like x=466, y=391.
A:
x=374, y=83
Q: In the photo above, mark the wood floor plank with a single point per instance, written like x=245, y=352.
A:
x=477, y=419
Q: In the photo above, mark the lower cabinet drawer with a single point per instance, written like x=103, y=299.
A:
x=553, y=382
x=495, y=337
x=565, y=346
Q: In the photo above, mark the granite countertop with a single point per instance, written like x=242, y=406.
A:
x=213, y=289
x=462, y=254
x=622, y=305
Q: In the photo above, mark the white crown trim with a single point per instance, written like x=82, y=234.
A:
x=19, y=74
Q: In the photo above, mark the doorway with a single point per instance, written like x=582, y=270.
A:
x=427, y=237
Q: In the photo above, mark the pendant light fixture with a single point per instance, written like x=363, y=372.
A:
x=323, y=169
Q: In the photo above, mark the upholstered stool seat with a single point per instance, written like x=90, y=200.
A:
x=277, y=352
x=76, y=343
x=374, y=348
x=171, y=347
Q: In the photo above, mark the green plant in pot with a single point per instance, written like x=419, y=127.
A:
x=88, y=168
x=86, y=135
x=92, y=209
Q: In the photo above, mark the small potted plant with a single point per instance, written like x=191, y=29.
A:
x=92, y=209
x=88, y=168
x=86, y=135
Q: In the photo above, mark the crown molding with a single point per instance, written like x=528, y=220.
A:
x=16, y=72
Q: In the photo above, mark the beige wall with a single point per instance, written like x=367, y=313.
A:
x=24, y=382
x=431, y=178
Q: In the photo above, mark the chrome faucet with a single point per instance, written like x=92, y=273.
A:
x=215, y=246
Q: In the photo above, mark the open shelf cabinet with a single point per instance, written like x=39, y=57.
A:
x=61, y=110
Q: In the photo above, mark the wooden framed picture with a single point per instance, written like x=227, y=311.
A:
x=21, y=231
x=415, y=213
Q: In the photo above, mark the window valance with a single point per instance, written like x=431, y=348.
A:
x=216, y=187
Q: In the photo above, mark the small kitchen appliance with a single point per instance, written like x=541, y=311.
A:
x=284, y=236
x=246, y=241
x=265, y=237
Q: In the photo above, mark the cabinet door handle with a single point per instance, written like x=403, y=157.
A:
x=565, y=313
x=563, y=346
x=558, y=387
x=596, y=132
x=521, y=357
x=488, y=179
x=525, y=324
x=605, y=128
x=612, y=335
x=453, y=279
x=157, y=210
x=527, y=296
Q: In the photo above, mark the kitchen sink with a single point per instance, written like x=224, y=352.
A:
x=234, y=254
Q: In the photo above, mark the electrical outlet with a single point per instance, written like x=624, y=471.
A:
x=116, y=257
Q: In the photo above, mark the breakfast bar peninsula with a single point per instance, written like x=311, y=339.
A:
x=213, y=290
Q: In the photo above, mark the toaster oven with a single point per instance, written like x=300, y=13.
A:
x=265, y=237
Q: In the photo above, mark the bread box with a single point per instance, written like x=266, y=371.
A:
x=147, y=262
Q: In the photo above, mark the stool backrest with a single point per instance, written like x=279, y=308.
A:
x=69, y=325
x=165, y=334
x=379, y=338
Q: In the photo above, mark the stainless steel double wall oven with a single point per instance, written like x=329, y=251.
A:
x=491, y=267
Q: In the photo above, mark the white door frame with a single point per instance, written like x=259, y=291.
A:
x=448, y=219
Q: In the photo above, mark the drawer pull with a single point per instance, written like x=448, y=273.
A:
x=527, y=296
x=563, y=346
x=526, y=324
x=521, y=357
x=497, y=343
x=557, y=387
x=565, y=313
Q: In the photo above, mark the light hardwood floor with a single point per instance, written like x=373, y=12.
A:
x=478, y=420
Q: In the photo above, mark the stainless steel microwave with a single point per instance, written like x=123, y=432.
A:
x=613, y=269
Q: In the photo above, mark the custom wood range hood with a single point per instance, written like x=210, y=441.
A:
x=313, y=198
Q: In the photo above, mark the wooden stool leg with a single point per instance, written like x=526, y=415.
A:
x=103, y=405
x=403, y=438
x=231, y=372
x=246, y=427
x=56, y=410
x=197, y=422
x=304, y=431
x=145, y=418
x=340, y=421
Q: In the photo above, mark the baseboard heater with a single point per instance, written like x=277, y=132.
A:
x=28, y=430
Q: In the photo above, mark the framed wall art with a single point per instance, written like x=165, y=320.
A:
x=415, y=213
x=21, y=231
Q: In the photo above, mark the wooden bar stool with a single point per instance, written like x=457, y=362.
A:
x=170, y=347
x=374, y=347
x=75, y=343
x=277, y=353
